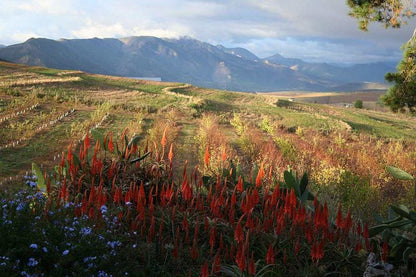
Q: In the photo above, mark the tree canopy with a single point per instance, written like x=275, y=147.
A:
x=393, y=13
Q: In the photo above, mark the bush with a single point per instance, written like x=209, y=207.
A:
x=108, y=212
x=358, y=104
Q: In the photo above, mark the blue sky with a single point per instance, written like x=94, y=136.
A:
x=313, y=30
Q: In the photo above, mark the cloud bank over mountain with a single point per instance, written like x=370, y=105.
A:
x=191, y=61
x=314, y=30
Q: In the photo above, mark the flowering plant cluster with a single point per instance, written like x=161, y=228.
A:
x=117, y=209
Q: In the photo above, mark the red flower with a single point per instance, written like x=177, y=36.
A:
x=339, y=220
x=385, y=251
x=240, y=258
x=164, y=140
x=260, y=176
x=238, y=232
x=251, y=265
x=216, y=265
x=270, y=255
x=110, y=143
x=240, y=184
x=170, y=155
x=204, y=271
x=207, y=156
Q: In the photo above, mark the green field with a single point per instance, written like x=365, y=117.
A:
x=228, y=183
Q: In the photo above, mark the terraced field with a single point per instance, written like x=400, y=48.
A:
x=43, y=110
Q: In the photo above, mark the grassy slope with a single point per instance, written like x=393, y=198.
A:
x=142, y=105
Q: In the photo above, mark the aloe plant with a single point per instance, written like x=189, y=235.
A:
x=299, y=186
x=399, y=230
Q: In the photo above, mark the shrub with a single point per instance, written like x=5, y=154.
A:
x=116, y=210
x=358, y=104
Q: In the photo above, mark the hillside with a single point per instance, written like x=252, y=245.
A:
x=42, y=110
x=191, y=61
x=125, y=166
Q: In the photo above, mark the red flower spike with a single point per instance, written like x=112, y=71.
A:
x=385, y=251
x=164, y=140
x=216, y=265
x=170, y=155
x=207, y=156
x=238, y=232
x=86, y=142
x=240, y=184
x=339, y=221
x=110, y=143
x=252, y=265
x=224, y=155
x=270, y=255
x=194, y=250
x=348, y=222
x=205, y=271
x=260, y=176
x=240, y=258
x=366, y=233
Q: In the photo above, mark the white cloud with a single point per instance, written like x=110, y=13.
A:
x=24, y=36
x=265, y=26
x=52, y=7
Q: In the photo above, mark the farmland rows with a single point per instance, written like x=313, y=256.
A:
x=21, y=177
x=20, y=112
x=18, y=142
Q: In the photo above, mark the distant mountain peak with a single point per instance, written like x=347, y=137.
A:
x=189, y=60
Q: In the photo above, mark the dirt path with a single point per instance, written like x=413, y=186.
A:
x=168, y=90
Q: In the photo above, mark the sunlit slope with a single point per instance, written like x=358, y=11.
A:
x=42, y=110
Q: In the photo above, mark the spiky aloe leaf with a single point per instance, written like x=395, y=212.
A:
x=399, y=174
x=40, y=178
x=134, y=140
x=98, y=136
x=304, y=183
x=140, y=158
x=401, y=210
x=290, y=181
x=377, y=229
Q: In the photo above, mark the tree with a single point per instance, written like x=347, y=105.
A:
x=358, y=104
x=393, y=13
x=403, y=93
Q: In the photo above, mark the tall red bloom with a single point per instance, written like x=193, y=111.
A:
x=385, y=251
x=170, y=155
x=207, y=156
x=251, y=265
x=260, y=176
x=238, y=232
x=164, y=139
x=339, y=221
x=110, y=143
x=216, y=265
x=270, y=255
x=205, y=271
x=240, y=184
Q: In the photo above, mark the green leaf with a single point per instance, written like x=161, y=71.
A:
x=399, y=174
x=400, y=223
x=402, y=211
x=134, y=140
x=291, y=182
x=304, y=182
x=98, y=136
x=304, y=197
x=407, y=252
x=255, y=172
x=40, y=178
x=377, y=229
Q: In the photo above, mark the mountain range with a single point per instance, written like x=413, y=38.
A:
x=192, y=61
